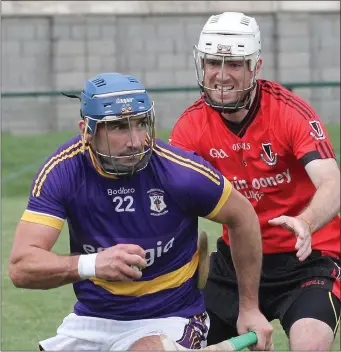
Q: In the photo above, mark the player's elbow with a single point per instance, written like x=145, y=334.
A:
x=16, y=276
x=16, y=273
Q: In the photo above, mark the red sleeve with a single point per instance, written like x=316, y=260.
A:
x=308, y=136
x=183, y=134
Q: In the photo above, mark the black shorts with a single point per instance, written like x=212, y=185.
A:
x=289, y=290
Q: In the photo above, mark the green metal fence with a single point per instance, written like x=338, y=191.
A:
x=290, y=86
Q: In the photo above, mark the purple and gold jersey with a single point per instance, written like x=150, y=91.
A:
x=157, y=208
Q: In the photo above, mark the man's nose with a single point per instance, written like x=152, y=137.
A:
x=134, y=141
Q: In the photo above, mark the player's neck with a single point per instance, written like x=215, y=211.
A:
x=238, y=117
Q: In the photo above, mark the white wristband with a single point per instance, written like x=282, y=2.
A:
x=87, y=265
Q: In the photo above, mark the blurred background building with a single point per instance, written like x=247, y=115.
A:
x=53, y=46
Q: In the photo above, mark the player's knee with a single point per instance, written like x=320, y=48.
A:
x=310, y=335
x=149, y=343
x=156, y=343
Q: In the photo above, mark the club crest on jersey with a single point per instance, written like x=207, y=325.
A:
x=317, y=133
x=269, y=157
x=157, y=202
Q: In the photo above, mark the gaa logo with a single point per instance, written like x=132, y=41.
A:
x=218, y=153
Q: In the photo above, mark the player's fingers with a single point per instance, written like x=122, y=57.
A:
x=130, y=272
x=135, y=260
x=299, y=243
x=278, y=221
x=270, y=347
x=132, y=249
x=260, y=345
x=305, y=251
x=283, y=221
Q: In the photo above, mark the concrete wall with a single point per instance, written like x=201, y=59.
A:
x=53, y=52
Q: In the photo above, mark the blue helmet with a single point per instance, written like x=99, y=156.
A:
x=112, y=94
x=117, y=98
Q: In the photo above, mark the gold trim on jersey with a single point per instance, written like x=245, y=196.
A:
x=43, y=219
x=201, y=166
x=164, y=282
x=195, y=168
x=337, y=318
x=224, y=196
x=98, y=169
x=63, y=155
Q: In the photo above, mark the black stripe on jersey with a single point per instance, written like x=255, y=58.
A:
x=297, y=99
x=301, y=104
x=330, y=150
x=307, y=158
x=287, y=101
x=323, y=150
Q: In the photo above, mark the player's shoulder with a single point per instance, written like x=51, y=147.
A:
x=67, y=153
x=59, y=169
x=193, y=119
x=163, y=149
x=282, y=103
x=179, y=162
x=196, y=111
x=65, y=160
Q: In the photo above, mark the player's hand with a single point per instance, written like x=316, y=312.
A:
x=302, y=232
x=115, y=263
x=254, y=320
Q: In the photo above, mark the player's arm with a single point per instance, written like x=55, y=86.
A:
x=33, y=265
x=308, y=140
x=325, y=204
x=246, y=246
x=31, y=262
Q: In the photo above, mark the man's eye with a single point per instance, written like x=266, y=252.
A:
x=214, y=62
x=119, y=126
x=236, y=64
x=143, y=123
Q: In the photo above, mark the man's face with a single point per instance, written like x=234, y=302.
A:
x=120, y=139
x=226, y=79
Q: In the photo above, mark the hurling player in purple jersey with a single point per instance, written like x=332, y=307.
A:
x=131, y=203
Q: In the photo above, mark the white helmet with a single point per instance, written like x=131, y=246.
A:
x=225, y=37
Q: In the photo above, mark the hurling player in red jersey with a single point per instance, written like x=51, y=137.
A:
x=274, y=149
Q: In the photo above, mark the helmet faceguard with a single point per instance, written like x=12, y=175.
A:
x=226, y=40
x=115, y=99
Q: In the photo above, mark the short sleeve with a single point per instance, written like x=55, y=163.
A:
x=46, y=203
x=198, y=188
x=309, y=138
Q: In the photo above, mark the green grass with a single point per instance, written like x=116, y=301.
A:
x=29, y=316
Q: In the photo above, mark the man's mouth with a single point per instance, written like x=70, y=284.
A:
x=223, y=88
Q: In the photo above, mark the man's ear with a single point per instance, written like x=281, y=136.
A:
x=83, y=130
x=259, y=65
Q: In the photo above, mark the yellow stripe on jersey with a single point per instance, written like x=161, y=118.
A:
x=43, y=219
x=164, y=282
x=226, y=193
x=52, y=160
x=198, y=165
x=56, y=162
x=217, y=182
x=337, y=318
x=98, y=169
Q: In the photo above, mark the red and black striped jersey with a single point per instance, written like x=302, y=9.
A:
x=264, y=158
